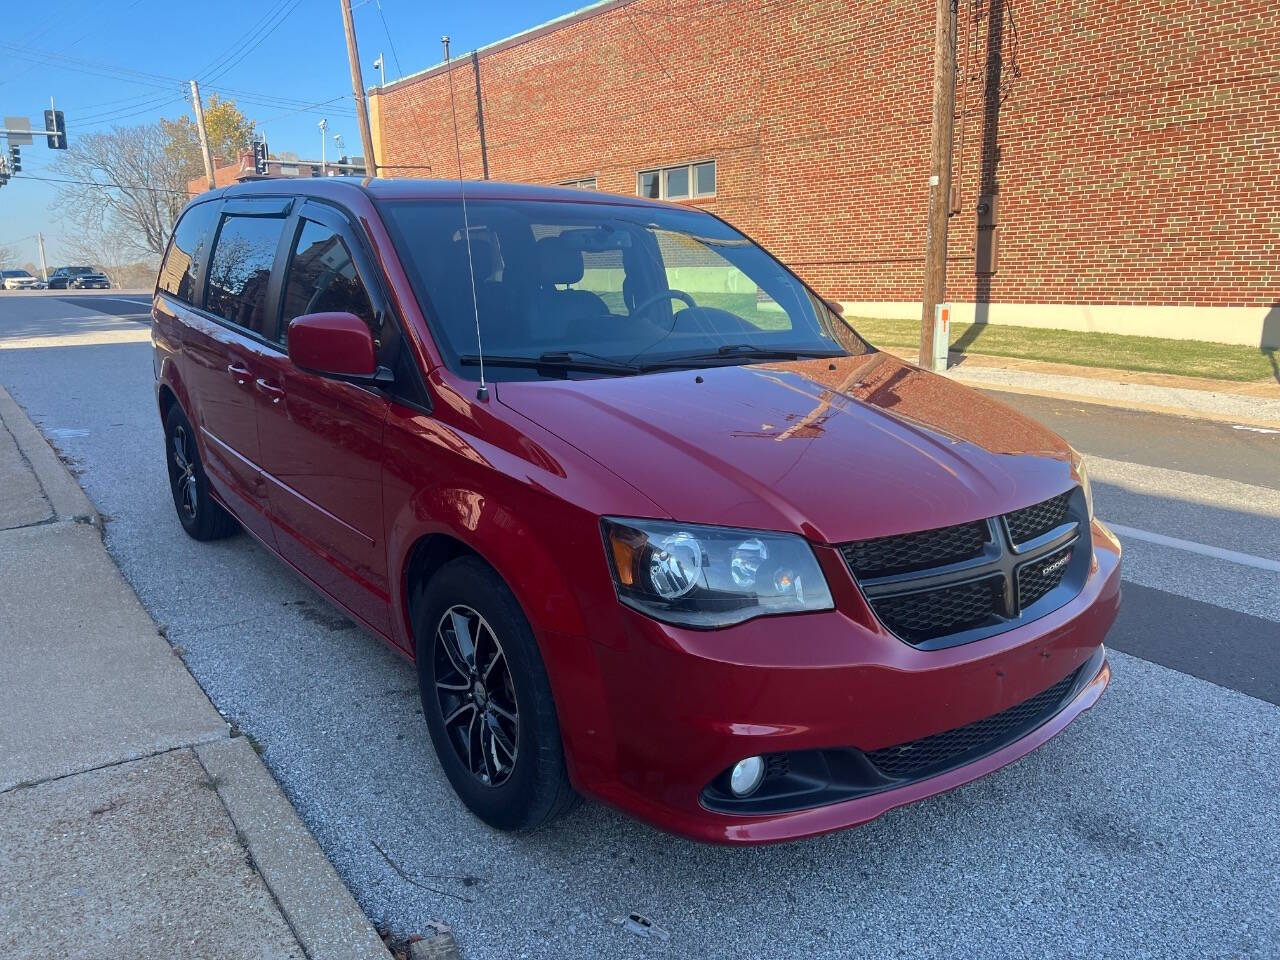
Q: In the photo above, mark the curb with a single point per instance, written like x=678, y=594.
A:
x=65, y=497
x=1204, y=392
x=319, y=910
x=1102, y=401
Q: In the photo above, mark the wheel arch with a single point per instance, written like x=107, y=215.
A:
x=425, y=557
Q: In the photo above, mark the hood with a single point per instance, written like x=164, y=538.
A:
x=838, y=450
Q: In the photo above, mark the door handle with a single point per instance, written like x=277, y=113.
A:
x=239, y=374
x=269, y=390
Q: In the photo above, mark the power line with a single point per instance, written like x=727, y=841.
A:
x=217, y=61
x=103, y=184
x=308, y=108
x=271, y=29
x=387, y=30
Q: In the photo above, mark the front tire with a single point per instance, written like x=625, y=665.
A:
x=487, y=700
x=201, y=516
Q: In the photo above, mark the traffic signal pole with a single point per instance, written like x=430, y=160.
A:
x=944, y=114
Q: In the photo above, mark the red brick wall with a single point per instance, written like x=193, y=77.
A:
x=1135, y=146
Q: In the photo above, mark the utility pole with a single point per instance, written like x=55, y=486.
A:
x=204, y=134
x=357, y=90
x=323, y=125
x=44, y=267
x=944, y=115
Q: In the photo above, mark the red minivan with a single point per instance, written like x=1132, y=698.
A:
x=655, y=523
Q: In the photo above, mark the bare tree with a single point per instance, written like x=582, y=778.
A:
x=108, y=246
x=6, y=258
x=126, y=187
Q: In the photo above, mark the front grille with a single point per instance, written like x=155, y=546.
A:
x=942, y=751
x=885, y=556
x=954, y=584
x=1038, y=519
x=917, y=617
x=1039, y=577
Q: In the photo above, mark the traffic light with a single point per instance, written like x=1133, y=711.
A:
x=15, y=160
x=56, y=129
x=260, y=157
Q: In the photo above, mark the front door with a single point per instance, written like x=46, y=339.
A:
x=225, y=348
x=321, y=439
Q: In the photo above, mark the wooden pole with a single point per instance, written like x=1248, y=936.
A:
x=944, y=115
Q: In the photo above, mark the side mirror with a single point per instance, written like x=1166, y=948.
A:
x=337, y=345
x=835, y=306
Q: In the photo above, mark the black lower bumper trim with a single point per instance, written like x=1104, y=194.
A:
x=801, y=780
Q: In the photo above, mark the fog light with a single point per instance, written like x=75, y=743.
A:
x=746, y=776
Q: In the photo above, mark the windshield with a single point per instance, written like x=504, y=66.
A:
x=14, y=273
x=620, y=288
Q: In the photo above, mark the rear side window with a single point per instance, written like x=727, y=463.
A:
x=241, y=269
x=322, y=278
x=192, y=235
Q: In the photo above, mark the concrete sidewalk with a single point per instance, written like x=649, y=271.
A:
x=132, y=824
x=1252, y=404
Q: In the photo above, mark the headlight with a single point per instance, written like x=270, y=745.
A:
x=699, y=576
x=1083, y=473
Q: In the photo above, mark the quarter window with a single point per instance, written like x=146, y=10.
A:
x=678, y=183
x=182, y=261
x=322, y=278
x=240, y=270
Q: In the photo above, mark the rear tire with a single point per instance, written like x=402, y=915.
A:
x=202, y=517
x=487, y=700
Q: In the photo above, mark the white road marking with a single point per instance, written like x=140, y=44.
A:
x=1241, y=426
x=1204, y=549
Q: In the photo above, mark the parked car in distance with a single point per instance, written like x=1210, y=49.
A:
x=78, y=278
x=656, y=525
x=20, y=280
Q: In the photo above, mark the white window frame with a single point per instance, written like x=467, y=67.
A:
x=661, y=173
x=581, y=183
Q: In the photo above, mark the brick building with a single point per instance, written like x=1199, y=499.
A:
x=1127, y=153
x=241, y=169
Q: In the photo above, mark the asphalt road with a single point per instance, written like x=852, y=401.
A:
x=1147, y=829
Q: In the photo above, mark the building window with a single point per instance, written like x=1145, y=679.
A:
x=678, y=183
x=586, y=183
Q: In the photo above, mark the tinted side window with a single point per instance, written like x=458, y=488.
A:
x=322, y=278
x=190, y=237
x=240, y=270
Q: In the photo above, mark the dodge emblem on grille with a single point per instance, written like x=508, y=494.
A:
x=1049, y=569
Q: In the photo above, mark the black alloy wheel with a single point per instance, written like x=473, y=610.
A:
x=476, y=694
x=487, y=700
x=201, y=516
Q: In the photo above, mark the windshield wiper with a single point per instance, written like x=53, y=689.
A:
x=560, y=361
x=742, y=351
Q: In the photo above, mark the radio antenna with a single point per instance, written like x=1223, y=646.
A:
x=482, y=393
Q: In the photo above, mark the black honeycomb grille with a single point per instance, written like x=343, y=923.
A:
x=917, y=617
x=943, y=751
x=1039, y=577
x=1038, y=519
x=885, y=556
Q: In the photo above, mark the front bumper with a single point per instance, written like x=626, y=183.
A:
x=684, y=705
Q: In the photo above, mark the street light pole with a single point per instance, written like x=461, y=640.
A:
x=323, y=125
x=44, y=267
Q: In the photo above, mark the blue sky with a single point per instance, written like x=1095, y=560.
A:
x=124, y=62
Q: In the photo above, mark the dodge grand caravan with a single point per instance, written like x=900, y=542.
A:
x=656, y=525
